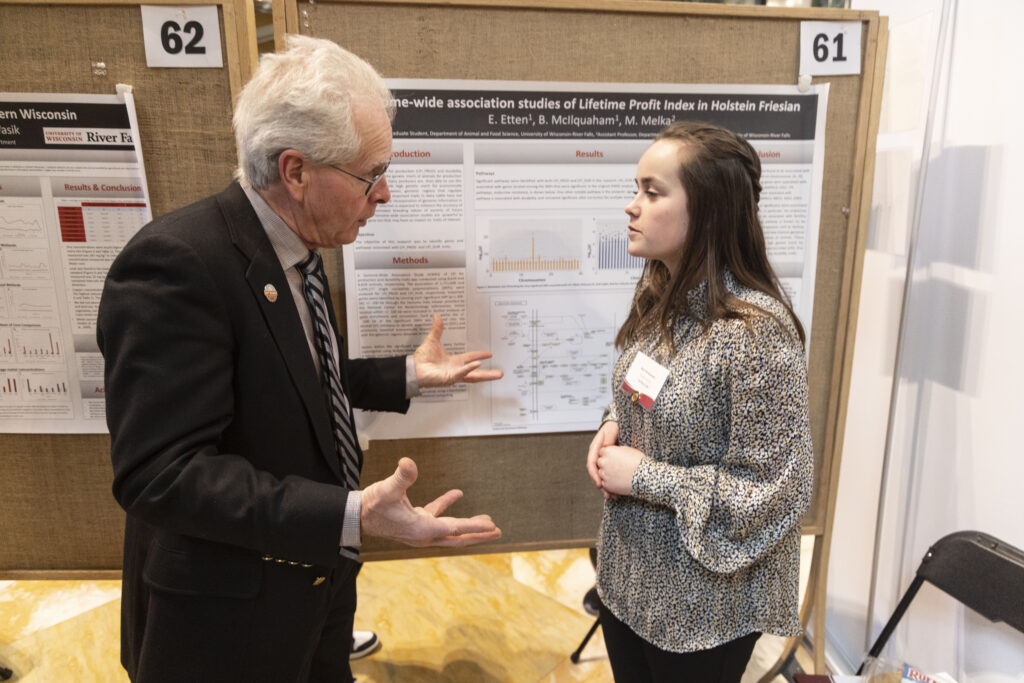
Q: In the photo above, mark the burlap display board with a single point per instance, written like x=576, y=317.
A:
x=536, y=486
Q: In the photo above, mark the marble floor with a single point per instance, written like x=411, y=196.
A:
x=510, y=617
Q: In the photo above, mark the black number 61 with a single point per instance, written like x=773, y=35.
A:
x=170, y=38
x=821, y=48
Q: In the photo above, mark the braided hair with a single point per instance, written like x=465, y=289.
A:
x=721, y=174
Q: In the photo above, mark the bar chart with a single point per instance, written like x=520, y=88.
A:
x=612, y=251
x=535, y=262
x=48, y=385
x=529, y=250
x=35, y=387
x=37, y=344
x=6, y=344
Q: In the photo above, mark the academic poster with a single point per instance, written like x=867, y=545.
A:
x=507, y=219
x=72, y=192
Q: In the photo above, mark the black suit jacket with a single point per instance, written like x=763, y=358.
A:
x=222, y=447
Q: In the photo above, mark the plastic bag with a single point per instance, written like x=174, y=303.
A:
x=885, y=670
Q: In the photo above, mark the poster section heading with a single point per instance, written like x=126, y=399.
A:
x=64, y=125
x=547, y=114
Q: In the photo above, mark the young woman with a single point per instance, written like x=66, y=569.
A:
x=704, y=456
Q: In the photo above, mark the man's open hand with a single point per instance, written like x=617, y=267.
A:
x=387, y=513
x=435, y=367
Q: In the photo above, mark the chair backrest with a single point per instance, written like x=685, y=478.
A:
x=979, y=570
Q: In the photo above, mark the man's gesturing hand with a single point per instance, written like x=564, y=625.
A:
x=387, y=513
x=435, y=367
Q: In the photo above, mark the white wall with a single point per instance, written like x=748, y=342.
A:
x=955, y=459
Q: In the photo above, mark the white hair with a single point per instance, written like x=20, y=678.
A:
x=302, y=99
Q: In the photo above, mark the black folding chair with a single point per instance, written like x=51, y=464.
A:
x=979, y=570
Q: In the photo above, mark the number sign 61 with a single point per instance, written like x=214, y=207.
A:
x=181, y=36
x=829, y=48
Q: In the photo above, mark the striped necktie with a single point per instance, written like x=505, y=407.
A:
x=314, y=286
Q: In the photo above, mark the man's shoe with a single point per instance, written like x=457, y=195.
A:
x=364, y=643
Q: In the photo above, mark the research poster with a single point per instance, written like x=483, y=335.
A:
x=72, y=192
x=507, y=219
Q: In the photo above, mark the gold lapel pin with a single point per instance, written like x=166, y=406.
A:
x=319, y=580
x=270, y=291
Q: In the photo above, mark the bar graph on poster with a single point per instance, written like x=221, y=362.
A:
x=582, y=251
x=539, y=249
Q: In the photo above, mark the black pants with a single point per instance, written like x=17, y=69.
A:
x=634, y=660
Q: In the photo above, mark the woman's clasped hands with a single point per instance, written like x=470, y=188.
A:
x=611, y=467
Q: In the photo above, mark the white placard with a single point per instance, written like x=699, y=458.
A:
x=186, y=37
x=829, y=48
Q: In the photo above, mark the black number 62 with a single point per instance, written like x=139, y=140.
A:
x=170, y=38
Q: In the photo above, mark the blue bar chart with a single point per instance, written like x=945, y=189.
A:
x=612, y=252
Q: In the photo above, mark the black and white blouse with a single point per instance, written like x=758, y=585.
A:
x=707, y=548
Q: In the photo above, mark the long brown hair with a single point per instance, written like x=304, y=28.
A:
x=721, y=174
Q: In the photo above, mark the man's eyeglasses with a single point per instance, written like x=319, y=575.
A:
x=370, y=182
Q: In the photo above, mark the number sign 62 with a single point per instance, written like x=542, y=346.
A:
x=181, y=36
x=170, y=37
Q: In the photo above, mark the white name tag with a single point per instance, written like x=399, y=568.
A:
x=644, y=380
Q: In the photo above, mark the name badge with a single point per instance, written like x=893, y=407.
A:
x=644, y=380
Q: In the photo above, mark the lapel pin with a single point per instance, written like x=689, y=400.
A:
x=319, y=580
x=270, y=291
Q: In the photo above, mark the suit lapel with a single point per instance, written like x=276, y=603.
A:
x=280, y=314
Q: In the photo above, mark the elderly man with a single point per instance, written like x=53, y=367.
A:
x=229, y=396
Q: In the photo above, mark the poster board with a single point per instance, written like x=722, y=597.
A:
x=535, y=486
x=58, y=514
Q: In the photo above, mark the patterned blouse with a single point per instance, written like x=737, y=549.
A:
x=707, y=548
